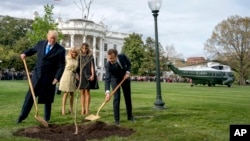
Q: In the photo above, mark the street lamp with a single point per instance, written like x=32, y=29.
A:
x=155, y=5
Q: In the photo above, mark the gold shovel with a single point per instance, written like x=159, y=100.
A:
x=95, y=117
x=40, y=119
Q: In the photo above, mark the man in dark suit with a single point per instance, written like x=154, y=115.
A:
x=117, y=68
x=47, y=72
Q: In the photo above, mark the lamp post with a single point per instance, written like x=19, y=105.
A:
x=1, y=65
x=155, y=5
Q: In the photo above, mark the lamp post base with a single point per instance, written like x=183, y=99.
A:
x=159, y=105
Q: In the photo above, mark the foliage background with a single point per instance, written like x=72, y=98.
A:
x=229, y=44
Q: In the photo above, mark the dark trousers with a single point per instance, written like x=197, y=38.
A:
x=117, y=96
x=27, y=106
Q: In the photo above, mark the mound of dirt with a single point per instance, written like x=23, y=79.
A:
x=95, y=130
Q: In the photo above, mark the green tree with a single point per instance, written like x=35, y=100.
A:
x=11, y=57
x=42, y=25
x=21, y=45
x=163, y=59
x=3, y=53
x=148, y=66
x=17, y=29
x=12, y=29
x=230, y=44
x=40, y=28
x=133, y=48
x=21, y=35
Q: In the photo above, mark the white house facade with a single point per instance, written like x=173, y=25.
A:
x=77, y=31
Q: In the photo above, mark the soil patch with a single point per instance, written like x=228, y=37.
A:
x=95, y=130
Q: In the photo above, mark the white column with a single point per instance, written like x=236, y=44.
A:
x=72, y=40
x=101, y=59
x=94, y=48
x=84, y=39
x=101, y=53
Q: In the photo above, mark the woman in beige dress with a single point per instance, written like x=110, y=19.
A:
x=68, y=81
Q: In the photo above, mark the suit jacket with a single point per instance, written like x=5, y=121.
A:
x=48, y=67
x=116, y=74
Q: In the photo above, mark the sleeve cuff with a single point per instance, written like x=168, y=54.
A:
x=107, y=91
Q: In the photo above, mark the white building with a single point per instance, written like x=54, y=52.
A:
x=77, y=31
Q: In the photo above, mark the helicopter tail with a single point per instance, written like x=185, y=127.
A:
x=173, y=68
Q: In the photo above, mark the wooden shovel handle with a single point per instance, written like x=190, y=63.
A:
x=117, y=87
x=30, y=84
x=112, y=93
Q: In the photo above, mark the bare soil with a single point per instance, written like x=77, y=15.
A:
x=96, y=130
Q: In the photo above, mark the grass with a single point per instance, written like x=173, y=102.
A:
x=191, y=114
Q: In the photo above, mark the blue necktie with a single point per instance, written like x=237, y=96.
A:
x=47, y=49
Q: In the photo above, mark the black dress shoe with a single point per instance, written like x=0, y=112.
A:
x=19, y=120
x=117, y=122
x=131, y=119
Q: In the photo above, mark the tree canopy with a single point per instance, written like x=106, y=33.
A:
x=42, y=25
x=12, y=29
x=143, y=55
x=9, y=41
x=22, y=34
x=230, y=44
x=133, y=48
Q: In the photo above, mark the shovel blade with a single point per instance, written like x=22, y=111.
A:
x=42, y=121
x=92, y=117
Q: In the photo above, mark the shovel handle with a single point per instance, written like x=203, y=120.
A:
x=117, y=87
x=30, y=84
x=112, y=93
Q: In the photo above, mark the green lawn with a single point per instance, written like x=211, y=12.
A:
x=191, y=114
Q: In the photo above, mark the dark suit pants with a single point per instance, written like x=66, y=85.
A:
x=127, y=96
x=27, y=106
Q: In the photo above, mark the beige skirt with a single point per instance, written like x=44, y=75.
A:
x=68, y=82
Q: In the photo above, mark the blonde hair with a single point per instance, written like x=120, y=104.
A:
x=73, y=49
x=53, y=33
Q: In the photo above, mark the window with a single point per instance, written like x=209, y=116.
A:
x=115, y=46
x=96, y=61
x=105, y=46
x=105, y=61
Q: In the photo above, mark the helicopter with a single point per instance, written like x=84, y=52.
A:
x=211, y=74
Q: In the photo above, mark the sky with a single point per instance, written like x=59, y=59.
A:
x=184, y=24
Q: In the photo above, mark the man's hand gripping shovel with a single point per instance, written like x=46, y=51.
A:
x=95, y=117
